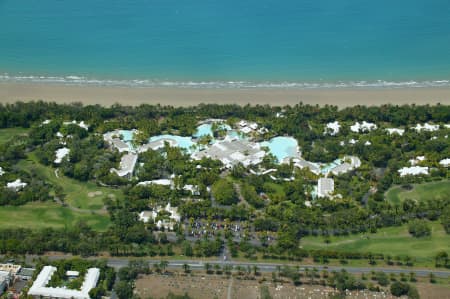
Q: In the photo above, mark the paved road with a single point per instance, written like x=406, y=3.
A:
x=272, y=267
x=265, y=267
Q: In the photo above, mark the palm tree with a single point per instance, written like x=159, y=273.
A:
x=255, y=270
x=227, y=269
x=208, y=268
x=163, y=265
x=217, y=268
x=186, y=268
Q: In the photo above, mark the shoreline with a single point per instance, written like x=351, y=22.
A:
x=133, y=96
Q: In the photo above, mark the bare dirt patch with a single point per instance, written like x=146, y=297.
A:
x=433, y=291
x=204, y=286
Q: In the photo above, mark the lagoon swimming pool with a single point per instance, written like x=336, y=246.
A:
x=206, y=129
x=327, y=168
x=282, y=147
x=183, y=142
x=127, y=135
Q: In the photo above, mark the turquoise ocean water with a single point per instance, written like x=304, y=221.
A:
x=210, y=43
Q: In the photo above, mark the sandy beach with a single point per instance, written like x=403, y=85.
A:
x=12, y=92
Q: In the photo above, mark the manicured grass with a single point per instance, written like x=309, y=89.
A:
x=7, y=134
x=426, y=191
x=395, y=241
x=81, y=195
x=45, y=214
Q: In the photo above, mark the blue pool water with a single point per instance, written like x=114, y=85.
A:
x=183, y=142
x=127, y=135
x=282, y=147
x=327, y=168
x=206, y=129
x=234, y=43
x=203, y=130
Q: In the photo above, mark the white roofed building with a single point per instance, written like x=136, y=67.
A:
x=40, y=289
x=414, y=170
x=332, y=128
x=174, y=217
x=2, y=172
x=127, y=164
x=325, y=187
x=17, y=185
x=445, y=162
x=161, y=182
x=417, y=160
x=81, y=124
x=61, y=154
x=392, y=131
x=426, y=127
x=363, y=127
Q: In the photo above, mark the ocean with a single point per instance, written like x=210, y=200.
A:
x=236, y=44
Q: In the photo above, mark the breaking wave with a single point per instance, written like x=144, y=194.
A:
x=80, y=80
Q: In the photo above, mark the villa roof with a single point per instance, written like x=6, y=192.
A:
x=39, y=287
x=60, y=154
x=325, y=186
x=426, y=127
x=332, y=128
x=414, y=170
x=363, y=127
x=16, y=185
x=445, y=162
x=395, y=131
x=127, y=163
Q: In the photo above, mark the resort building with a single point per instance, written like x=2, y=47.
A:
x=301, y=163
x=161, y=182
x=233, y=151
x=39, y=288
x=325, y=187
x=81, y=124
x=350, y=163
x=417, y=160
x=166, y=222
x=17, y=185
x=11, y=268
x=127, y=164
x=193, y=189
x=445, y=162
x=61, y=154
x=247, y=127
x=392, y=131
x=363, y=127
x=426, y=127
x=332, y=128
x=113, y=139
x=414, y=170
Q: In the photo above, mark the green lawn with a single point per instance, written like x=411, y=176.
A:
x=46, y=214
x=426, y=191
x=8, y=134
x=393, y=240
x=82, y=195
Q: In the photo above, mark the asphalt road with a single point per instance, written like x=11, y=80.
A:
x=263, y=267
x=272, y=267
